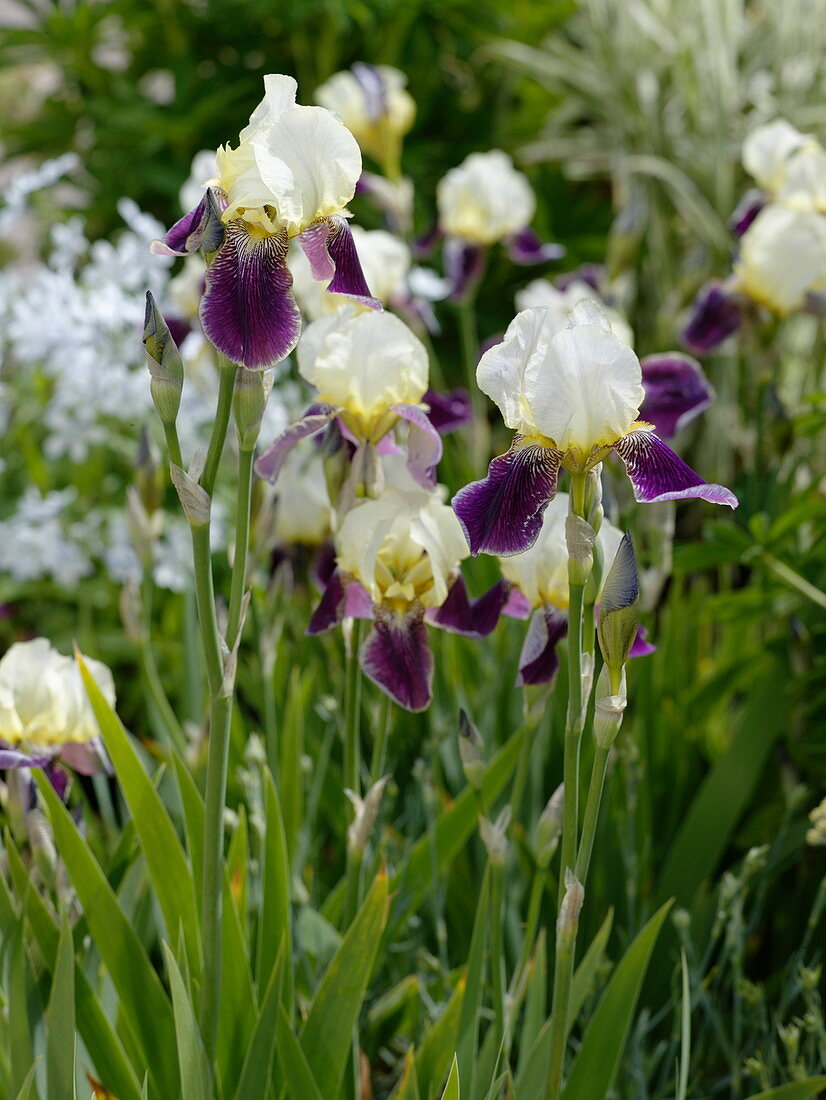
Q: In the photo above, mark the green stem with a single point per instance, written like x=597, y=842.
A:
x=589, y=826
x=352, y=708
x=173, y=444
x=531, y=923
x=563, y=975
x=573, y=731
x=379, y=756
x=523, y=764
x=150, y=669
x=226, y=384
x=242, y=539
x=205, y=599
x=497, y=962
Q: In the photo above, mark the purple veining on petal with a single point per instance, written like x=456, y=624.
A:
x=348, y=278
x=747, y=210
x=448, y=412
x=591, y=274
x=372, y=85
x=525, y=248
x=464, y=266
x=201, y=228
x=538, y=660
x=676, y=391
x=715, y=315
x=248, y=311
x=503, y=513
x=657, y=473
x=640, y=646
x=313, y=242
x=330, y=609
x=424, y=444
x=396, y=656
x=16, y=758
x=268, y=466
x=474, y=618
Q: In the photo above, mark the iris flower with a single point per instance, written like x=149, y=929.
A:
x=290, y=178
x=370, y=371
x=572, y=396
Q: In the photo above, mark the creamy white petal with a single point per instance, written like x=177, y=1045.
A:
x=782, y=257
x=279, y=95
x=484, y=199
x=584, y=389
x=804, y=180
x=766, y=150
x=501, y=370
x=303, y=514
x=542, y=294
x=366, y=363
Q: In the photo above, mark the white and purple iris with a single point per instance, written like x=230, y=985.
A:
x=573, y=397
x=397, y=564
x=290, y=178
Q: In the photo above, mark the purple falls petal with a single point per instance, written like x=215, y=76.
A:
x=676, y=391
x=503, y=514
x=464, y=266
x=448, y=412
x=747, y=210
x=424, y=445
x=715, y=315
x=59, y=780
x=526, y=248
x=474, y=618
x=641, y=647
x=396, y=656
x=538, y=660
x=15, y=758
x=342, y=265
x=423, y=247
x=87, y=757
x=593, y=275
x=658, y=474
x=268, y=466
x=201, y=228
x=330, y=610
x=248, y=311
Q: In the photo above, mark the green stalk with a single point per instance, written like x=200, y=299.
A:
x=563, y=976
x=497, y=961
x=242, y=539
x=540, y=876
x=520, y=779
x=352, y=715
x=379, y=756
x=589, y=826
x=226, y=383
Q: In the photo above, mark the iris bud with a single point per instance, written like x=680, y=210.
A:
x=249, y=399
x=471, y=752
x=619, y=611
x=549, y=828
x=164, y=361
x=568, y=920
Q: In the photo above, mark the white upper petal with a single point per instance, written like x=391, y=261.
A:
x=344, y=95
x=484, y=199
x=804, y=180
x=501, y=370
x=542, y=294
x=584, y=387
x=365, y=363
x=766, y=150
x=279, y=95
x=782, y=257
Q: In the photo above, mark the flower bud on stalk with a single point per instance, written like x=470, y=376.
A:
x=164, y=361
x=249, y=399
x=567, y=922
x=619, y=612
x=366, y=810
x=608, y=709
x=580, y=537
x=494, y=836
x=549, y=828
x=471, y=752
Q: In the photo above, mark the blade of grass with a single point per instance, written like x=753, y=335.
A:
x=60, y=1032
x=192, y=1059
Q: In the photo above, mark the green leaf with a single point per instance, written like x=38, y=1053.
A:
x=408, y=1087
x=238, y=858
x=599, y=1055
x=439, y=1044
x=166, y=861
x=17, y=986
x=536, y=999
x=193, y=807
x=586, y=972
x=452, y=1087
x=192, y=1059
x=102, y=1042
x=60, y=1034
x=291, y=752
x=327, y=1035
x=685, y=1032
x=27, y=1089
x=254, y=1082
x=239, y=1000
x=474, y=977
x=713, y=814
x=274, y=922
x=798, y=1090
x=298, y=1077
x=142, y=996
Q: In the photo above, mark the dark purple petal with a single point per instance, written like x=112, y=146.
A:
x=538, y=660
x=676, y=391
x=372, y=85
x=268, y=466
x=658, y=474
x=423, y=247
x=323, y=564
x=331, y=250
x=448, y=411
x=715, y=315
x=474, y=618
x=87, y=757
x=503, y=514
x=424, y=445
x=641, y=647
x=747, y=210
x=396, y=656
x=16, y=758
x=464, y=267
x=248, y=311
x=200, y=229
x=179, y=328
x=359, y=604
x=313, y=242
x=517, y=606
x=59, y=780
x=526, y=248
x=330, y=610
x=591, y=274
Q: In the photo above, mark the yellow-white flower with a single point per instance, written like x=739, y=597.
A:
x=484, y=199
x=303, y=514
x=542, y=294
x=766, y=153
x=374, y=105
x=782, y=258
x=42, y=699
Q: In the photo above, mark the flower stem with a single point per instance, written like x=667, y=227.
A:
x=379, y=756
x=589, y=825
x=226, y=383
x=531, y=923
x=563, y=975
x=497, y=961
x=573, y=731
x=242, y=538
x=352, y=715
